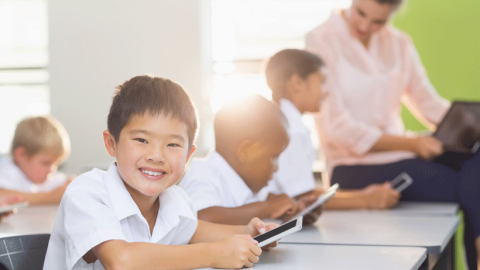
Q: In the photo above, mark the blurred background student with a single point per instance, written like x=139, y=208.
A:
x=372, y=69
x=39, y=146
x=296, y=80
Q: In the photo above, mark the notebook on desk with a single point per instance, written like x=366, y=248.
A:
x=459, y=130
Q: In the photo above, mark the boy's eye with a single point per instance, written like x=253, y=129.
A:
x=174, y=145
x=140, y=140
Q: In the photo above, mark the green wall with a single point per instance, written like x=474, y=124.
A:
x=447, y=37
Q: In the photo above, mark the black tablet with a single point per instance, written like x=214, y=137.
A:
x=459, y=130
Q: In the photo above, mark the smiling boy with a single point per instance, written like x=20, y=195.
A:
x=134, y=216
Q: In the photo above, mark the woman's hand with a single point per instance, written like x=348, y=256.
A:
x=426, y=147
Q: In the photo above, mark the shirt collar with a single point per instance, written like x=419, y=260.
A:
x=172, y=204
x=122, y=202
x=237, y=187
x=294, y=116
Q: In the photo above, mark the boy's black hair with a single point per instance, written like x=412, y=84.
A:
x=284, y=64
x=152, y=95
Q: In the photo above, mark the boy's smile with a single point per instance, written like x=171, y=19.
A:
x=151, y=153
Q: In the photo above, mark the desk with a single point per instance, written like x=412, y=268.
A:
x=378, y=229
x=425, y=209
x=30, y=220
x=339, y=257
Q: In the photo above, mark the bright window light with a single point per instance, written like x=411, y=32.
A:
x=23, y=61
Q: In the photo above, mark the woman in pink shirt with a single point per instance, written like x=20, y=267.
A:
x=372, y=69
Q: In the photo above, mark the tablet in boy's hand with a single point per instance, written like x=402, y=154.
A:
x=12, y=207
x=401, y=182
x=321, y=200
x=279, y=232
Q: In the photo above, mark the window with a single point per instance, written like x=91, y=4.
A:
x=23, y=61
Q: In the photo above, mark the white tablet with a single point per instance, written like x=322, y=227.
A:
x=401, y=182
x=279, y=232
x=321, y=200
x=12, y=207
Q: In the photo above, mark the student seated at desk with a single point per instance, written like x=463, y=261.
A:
x=295, y=78
x=133, y=216
x=39, y=145
x=229, y=185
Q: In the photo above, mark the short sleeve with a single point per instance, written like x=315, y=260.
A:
x=420, y=97
x=204, y=191
x=88, y=221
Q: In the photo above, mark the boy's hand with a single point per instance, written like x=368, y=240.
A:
x=279, y=205
x=235, y=252
x=256, y=227
x=311, y=217
x=4, y=201
x=380, y=196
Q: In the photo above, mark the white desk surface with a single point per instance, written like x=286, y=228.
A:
x=378, y=229
x=30, y=220
x=424, y=209
x=338, y=257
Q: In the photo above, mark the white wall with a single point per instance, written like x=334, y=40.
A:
x=94, y=45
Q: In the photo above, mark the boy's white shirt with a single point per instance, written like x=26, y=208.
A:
x=12, y=178
x=294, y=175
x=96, y=207
x=213, y=182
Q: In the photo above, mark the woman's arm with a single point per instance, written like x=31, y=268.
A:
x=426, y=147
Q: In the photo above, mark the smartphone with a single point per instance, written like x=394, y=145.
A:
x=401, y=182
x=321, y=200
x=279, y=232
x=12, y=207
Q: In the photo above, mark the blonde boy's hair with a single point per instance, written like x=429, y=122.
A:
x=41, y=134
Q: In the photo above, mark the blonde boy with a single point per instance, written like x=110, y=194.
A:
x=133, y=216
x=39, y=145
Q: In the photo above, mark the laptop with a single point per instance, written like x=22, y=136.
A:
x=459, y=130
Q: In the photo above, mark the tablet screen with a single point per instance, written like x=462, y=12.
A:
x=459, y=129
x=278, y=230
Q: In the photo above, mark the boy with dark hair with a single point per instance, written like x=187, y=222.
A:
x=295, y=78
x=228, y=186
x=134, y=216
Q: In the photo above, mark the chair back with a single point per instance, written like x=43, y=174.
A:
x=24, y=251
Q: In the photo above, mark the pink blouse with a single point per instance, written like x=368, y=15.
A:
x=365, y=90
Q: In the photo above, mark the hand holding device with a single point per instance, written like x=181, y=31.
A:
x=12, y=207
x=401, y=182
x=280, y=205
x=319, y=202
x=277, y=233
x=380, y=196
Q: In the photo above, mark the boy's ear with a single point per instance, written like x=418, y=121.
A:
x=295, y=84
x=109, y=141
x=246, y=151
x=20, y=154
x=190, y=152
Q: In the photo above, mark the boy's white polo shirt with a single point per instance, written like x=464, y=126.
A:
x=294, y=175
x=213, y=182
x=12, y=178
x=97, y=207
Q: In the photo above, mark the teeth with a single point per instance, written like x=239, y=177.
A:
x=152, y=173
